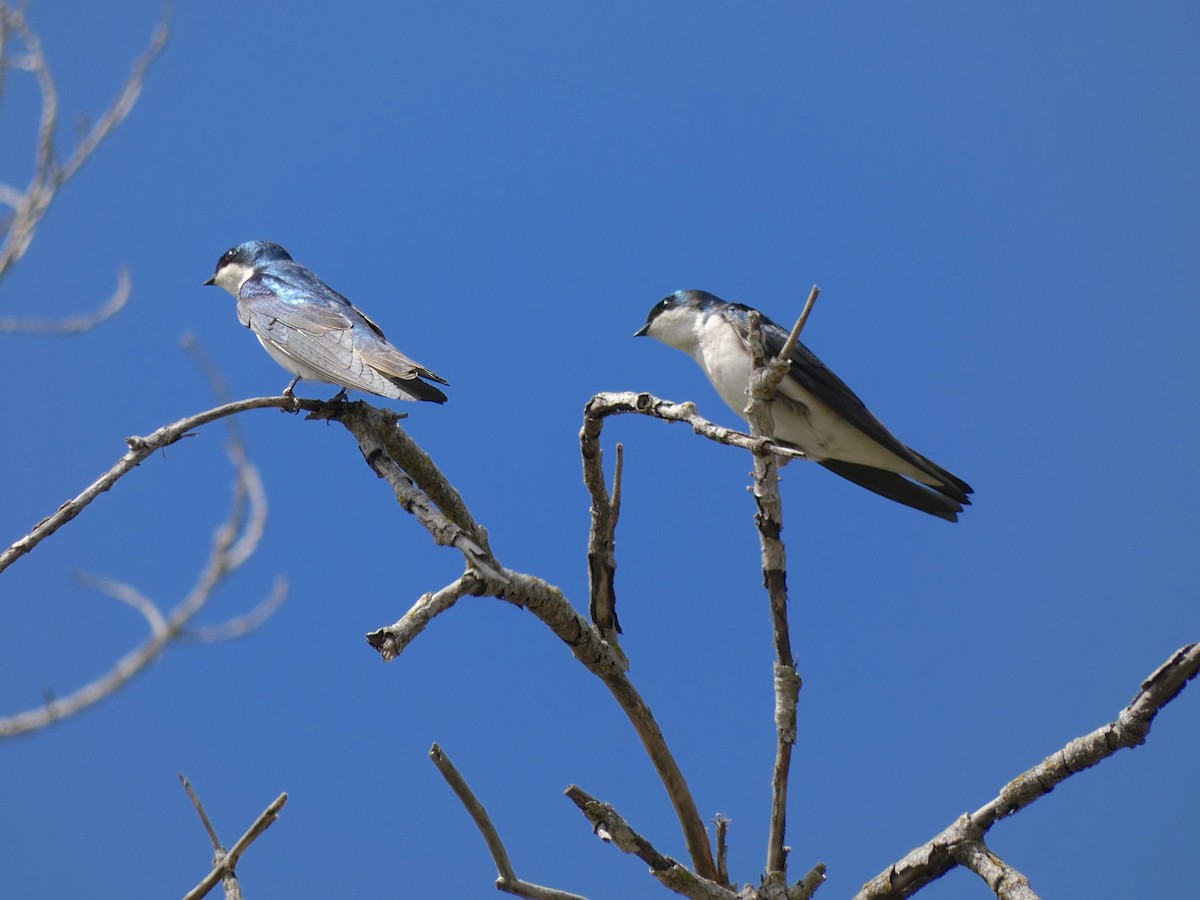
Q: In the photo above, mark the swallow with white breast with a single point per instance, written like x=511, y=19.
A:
x=814, y=411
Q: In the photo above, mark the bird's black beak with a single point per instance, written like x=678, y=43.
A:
x=641, y=332
x=212, y=280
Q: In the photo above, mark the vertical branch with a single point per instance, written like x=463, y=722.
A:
x=764, y=381
x=602, y=561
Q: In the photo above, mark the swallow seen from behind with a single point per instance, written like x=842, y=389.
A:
x=312, y=330
x=814, y=411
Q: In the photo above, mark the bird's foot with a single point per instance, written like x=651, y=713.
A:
x=290, y=393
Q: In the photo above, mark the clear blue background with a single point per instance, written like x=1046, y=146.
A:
x=1001, y=205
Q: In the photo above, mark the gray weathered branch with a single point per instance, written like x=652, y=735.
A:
x=139, y=449
x=765, y=379
x=506, y=878
x=612, y=828
x=935, y=858
x=225, y=864
x=30, y=205
x=602, y=560
x=233, y=544
x=385, y=444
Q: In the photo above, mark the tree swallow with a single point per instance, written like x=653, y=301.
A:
x=814, y=411
x=312, y=330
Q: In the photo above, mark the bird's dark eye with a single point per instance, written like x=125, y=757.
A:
x=229, y=254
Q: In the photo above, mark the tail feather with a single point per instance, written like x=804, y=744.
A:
x=945, y=505
x=416, y=389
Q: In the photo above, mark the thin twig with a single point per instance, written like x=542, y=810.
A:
x=242, y=625
x=603, y=405
x=233, y=890
x=48, y=174
x=73, y=324
x=790, y=344
x=139, y=449
x=227, y=865
x=208, y=825
x=129, y=595
x=506, y=878
x=933, y=859
x=233, y=543
x=612, y=828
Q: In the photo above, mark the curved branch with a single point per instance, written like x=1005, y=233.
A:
x=506, y=878
x=73, y=324
x=603, y=405
x=139, y=449
x=384, y=443
x=30, y=206
x=233, y=543
x=935, y=858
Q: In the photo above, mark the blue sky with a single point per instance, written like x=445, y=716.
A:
x=1002, y=207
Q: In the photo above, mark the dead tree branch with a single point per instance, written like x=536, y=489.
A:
x=73, y=324
x=29, y=205
x=506, y=878
x=233, y=544
x=409, y=470
x=225, y=863
x=139, y=449
x=611, y=827
x=935, y=858
x=765, y=378
x=603, y=405
x=602, y=560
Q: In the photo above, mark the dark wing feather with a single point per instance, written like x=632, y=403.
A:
x=898, y=488
x=816, y=378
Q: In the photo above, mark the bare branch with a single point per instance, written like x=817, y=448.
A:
x=554, y=610
x=506, y=878
x=1005, y=881
x=224, y=867
x=602, y=561
x=243, y=625
x=790, y=344
x=73, y=324
x=601, y=406
x=612, y=828
x=807, y=886
x=764, y=381
x=721, y=825
x=391, y=641
x=933, y=859
x=128, y=595
x=49, y=175
x=416, y=481
x=208, y=825
x=139, y=449
x=234, y=541
x=379, y=437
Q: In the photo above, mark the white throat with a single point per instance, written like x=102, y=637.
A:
x=232, y=276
